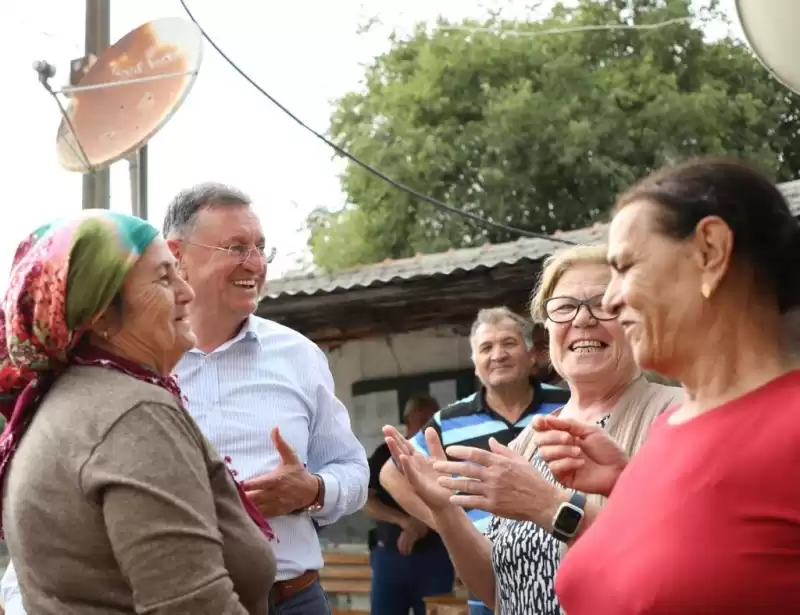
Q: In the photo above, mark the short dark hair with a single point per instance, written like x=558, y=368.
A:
x=766, y=235
x=182, y=211
x=421, y=402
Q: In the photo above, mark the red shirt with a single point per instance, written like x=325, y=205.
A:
x=705, y=519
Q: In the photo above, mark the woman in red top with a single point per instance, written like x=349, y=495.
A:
x=706, y=517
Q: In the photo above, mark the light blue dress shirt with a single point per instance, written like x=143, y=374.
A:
x=271, y=376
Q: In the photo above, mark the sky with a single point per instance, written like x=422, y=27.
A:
x=306, y=53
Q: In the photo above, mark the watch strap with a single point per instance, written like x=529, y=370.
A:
x=575, y=505
x=319, y=500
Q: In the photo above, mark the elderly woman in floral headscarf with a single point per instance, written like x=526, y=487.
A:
x=113, y=502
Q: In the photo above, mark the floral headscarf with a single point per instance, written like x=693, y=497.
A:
x=41, y=322
x=64, y=276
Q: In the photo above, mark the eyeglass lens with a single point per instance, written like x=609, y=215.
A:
x=565, y=309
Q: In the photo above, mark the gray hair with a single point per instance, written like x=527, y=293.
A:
x=496, y=315
x=182, y=212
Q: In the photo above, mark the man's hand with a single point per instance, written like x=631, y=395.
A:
x=287, y=488
x=413, y=530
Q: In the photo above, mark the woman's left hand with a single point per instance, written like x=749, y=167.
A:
x=501, y=482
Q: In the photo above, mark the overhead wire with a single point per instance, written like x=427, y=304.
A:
x=367, y=167
x=564, y=30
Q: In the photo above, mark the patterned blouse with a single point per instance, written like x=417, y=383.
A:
x=525, y=559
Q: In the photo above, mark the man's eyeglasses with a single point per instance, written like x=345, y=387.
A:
x=241, y=253
x=565, y=309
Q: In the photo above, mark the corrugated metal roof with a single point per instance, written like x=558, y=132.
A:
x=445, y=263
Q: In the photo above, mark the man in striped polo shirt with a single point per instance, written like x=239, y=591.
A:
x=510, y=396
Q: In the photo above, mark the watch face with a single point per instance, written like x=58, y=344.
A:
x=569, y=517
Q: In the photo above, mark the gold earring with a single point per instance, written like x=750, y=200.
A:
x=104, y=335
x=706, y=290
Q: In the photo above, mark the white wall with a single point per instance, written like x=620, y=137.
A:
x=433, y=350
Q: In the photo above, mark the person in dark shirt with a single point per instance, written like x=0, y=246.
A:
x=409, y=561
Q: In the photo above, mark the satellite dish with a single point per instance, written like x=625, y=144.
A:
x=129, y=93
x=770, y=27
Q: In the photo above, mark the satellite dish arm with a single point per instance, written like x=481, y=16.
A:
x=46, y=71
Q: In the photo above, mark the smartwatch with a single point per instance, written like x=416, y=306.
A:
x=568, y=517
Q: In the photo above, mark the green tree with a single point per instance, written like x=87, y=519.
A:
x=541, y=132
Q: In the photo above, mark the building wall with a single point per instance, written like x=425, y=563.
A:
x=433, y=350
x=410, y=354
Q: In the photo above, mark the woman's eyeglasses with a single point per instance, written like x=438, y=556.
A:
x=565, y=309
x=241, y=253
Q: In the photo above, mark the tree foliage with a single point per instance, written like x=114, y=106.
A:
x=541, y=132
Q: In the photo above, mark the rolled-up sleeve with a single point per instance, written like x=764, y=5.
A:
x=334, y=452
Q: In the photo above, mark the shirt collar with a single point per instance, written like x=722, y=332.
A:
x=531, y=409
x=250, y=330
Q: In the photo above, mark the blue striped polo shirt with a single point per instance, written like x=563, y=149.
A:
x=470, y=422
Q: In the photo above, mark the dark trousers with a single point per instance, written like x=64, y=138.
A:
x=399, y=582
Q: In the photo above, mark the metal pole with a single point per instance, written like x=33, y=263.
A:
x=138, y=174
x=97, y=184
x=133, y=173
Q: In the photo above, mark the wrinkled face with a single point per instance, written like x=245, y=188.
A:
x=500, y=355
x=153, y=328
x=589, y=345
x=224, y=283
x=655, y=285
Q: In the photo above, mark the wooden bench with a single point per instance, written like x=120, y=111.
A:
x=446, y=605
x=450, y=604
x=346, y=576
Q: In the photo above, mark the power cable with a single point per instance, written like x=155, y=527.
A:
x=367, y=167
x=565, y=30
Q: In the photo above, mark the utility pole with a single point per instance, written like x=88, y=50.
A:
x=138, y=173
x=97, y=183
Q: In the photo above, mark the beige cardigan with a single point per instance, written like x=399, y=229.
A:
x=641, y=403
x=116, y=504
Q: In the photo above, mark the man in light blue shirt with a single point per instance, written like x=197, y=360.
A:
x=261, y=393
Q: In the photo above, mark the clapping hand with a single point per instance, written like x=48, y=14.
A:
x=418, y=468
x=580, y=456
x=499, y=481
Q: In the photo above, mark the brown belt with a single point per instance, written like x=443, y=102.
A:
x=283, y=590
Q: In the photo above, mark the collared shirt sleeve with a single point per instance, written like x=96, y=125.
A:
x=9, y=587
x=334, y=452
